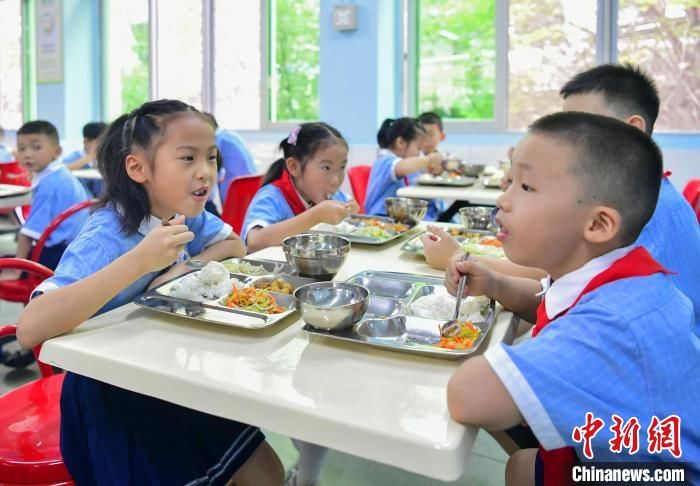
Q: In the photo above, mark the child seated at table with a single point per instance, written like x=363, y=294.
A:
x=399, y=163
x=85, y=157
x=435, y=134
x=672, y=235
x=615, y=337
x=159, y=164
x=54, y=189
x=301, y=189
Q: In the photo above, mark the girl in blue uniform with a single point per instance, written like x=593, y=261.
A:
x=301, y=189
x=158, y=163
x=399, y=163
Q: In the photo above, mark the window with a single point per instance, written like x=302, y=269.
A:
x=180, y=54
x=550, y=40
x=126, y=57
x=10, y=64
x=456, y=61
x=293, y=60
x=237, y=64
x=455, y=44
x=663, y=38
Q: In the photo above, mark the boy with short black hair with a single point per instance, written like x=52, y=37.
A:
x=615, y=337
x=86, y=156
x=432, y=123
x=54, y=189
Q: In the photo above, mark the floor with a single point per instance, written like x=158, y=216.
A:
x=486, y=464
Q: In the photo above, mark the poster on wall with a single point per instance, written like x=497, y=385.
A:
x=49, y=42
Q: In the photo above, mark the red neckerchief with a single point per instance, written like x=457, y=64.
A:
x=667, y=174
x=290, y=193
x=557, y=463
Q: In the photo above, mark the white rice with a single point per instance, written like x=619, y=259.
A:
x=441, y=306
x=211, y=282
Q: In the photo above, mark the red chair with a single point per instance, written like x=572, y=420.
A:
x=359, y=178
x=30, y=417
x=238, y=197
x=692, y=194
x=20, y=290
x=13, y=173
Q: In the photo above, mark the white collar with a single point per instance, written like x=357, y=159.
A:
x=150, y=224
x=385, y=151
x=52, y=167
x=561, y=294
x=303, y=201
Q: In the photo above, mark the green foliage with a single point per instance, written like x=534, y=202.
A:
x=135, y=83
x=295, y=60
x=457, y=53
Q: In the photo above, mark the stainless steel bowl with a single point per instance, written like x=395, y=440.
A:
x=316, y=254
x=332, y=306
x=476, y=217
x=406, y=210
x=471, y=170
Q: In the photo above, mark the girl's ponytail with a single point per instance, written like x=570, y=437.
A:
x=274, y=172
x=383, y=133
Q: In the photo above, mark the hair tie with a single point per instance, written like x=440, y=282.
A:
x=292, y=139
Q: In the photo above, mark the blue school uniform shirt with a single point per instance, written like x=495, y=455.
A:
x=237, y=159
x=269, y=207
x=384, y=183
x=102, y=241
x=94, y=187
x=627, y=348
x=54, y=190
x=73, y=156
x=672, y=236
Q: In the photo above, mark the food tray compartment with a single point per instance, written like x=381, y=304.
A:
x=359, y=221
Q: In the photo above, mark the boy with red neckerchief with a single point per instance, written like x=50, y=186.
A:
x=614, y=336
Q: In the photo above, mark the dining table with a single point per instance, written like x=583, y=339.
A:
x=382, y=405
x=12, y=196
x=477, y=194
x=88, y=173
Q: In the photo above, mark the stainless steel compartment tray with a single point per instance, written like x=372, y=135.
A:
x=388, y=323
x=442, y=180
x=407, y=334
x=357, y=221
x=214, y=311
x=414, y=246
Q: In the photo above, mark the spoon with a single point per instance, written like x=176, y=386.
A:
x=189, y=261
x=452, y=328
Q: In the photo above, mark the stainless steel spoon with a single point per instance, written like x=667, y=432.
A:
x=452, y=328
x=189, y=261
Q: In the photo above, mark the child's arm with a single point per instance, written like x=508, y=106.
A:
x=81, y=162
x=60, y=310
x=331, y=212
x=409, y=165
x=475, y=395
x=517, y=294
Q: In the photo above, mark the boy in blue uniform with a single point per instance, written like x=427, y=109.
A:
x=435, y=133
x=85, y=157
x=615, y=337
x=54, y=189
x=672, y=234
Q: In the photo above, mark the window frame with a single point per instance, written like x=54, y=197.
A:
x=410, y=55
x=268, y=33
x=606, y=52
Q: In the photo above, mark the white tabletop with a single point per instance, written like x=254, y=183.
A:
x=12, y=196
x=384, y=406
x=88, y=173
x=477, y=194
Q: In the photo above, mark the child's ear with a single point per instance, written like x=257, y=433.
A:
x=604, y=225
x=638, y=121
x=135, y=167
x=293, y=166
x=58, y=152
x=400, y=144
x=442, y=136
